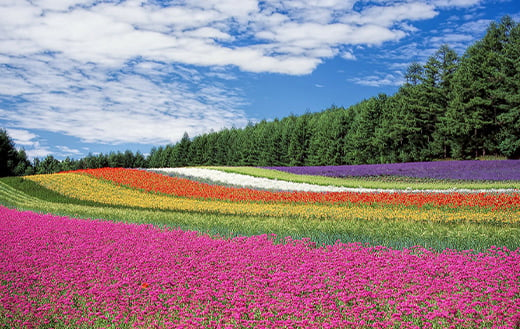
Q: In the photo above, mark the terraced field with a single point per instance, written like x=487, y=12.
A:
x=265, y=248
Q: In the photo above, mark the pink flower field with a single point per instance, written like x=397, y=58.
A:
x=59, y=272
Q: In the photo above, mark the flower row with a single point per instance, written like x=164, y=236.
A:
x=57, y=271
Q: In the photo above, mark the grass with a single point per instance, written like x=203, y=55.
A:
x=371, y=182
x=24, y=195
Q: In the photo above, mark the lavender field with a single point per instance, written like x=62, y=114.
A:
x=494, y=170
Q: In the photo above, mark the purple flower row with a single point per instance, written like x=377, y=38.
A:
x=64, y=271
x=498, y=170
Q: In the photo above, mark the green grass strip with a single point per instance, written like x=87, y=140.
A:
x=370, y=182
x=391, y=233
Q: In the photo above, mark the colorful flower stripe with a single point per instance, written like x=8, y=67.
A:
x=187, y=188
x=85, y=187
x=63, y=272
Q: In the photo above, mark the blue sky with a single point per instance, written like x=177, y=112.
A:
x=91, y=76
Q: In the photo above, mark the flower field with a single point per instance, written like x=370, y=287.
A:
x=196, y=251
x=84, y=273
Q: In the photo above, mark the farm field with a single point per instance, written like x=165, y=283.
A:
x=192, y=247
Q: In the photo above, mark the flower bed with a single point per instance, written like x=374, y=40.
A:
x=57, y=271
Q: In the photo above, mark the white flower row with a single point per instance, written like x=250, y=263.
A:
x=247, y=181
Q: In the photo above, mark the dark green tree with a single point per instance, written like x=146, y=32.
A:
x=12, y=161
x=509, y=118
x=49, y=165
x=326, y=145
x=361, y=145
x=140, y=160
x=68, y=164
x=8, y=155
x=414, y=74
x=299, y=141
x=183, y=147
x=479, y=99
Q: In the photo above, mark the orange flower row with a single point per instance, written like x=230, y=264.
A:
x=154, y=182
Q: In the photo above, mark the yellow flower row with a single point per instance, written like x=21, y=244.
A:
x=88, y=188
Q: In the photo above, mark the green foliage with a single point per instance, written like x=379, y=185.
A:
x=484, y=104
x=361, y=145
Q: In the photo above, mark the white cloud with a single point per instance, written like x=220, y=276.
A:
x=389, y=15
x=475, y=26
x=456, y=3
x=67, y=151
x=379, y=79
x=29, y=142
x=22, y=137
x=348, y=55
x=40, y=152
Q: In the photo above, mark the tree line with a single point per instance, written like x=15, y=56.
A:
x=452, y=106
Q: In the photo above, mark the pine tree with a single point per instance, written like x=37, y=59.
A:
x=479, y=99
x=12, y=162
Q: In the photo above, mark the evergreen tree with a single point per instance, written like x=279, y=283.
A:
x=478, y=100
x=361, y=144
x=12, y=161
x=49, y=165
x=267, y=140
x=414, y=74
x=153, y=158
x=299, y=141
x=249, y=154
x=183, y=147
x=390, y=133
x=509, y=118
x=140, y=161
x=446, y=63
x=7, y=154
x=327, y=139
x=68, y=164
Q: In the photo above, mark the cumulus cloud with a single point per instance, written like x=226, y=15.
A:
x=130, y=71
